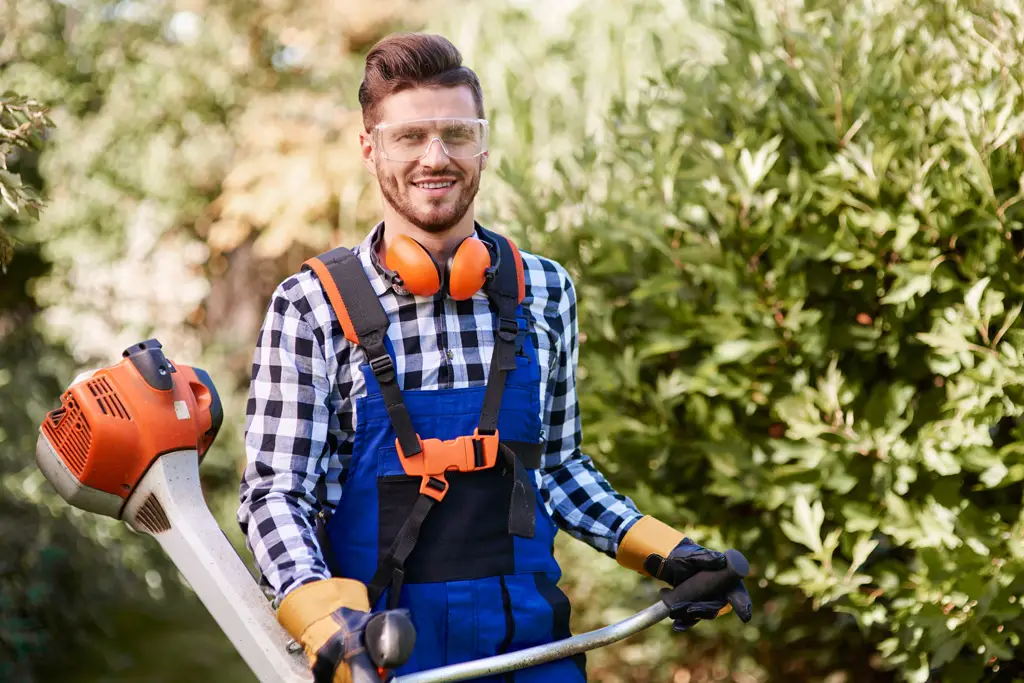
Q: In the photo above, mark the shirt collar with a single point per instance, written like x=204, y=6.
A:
x=374, y=269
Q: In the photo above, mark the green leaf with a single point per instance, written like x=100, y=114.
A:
x=10, y=201
x=946, y=651
x=740, y=349
x=995, y=648
x=907, y=227
x=939, y=461
x=862, y=549
x=663, y=346
x=914, y=286
x=994, y=475
x=972, y=299
x=806, y=526
x=946, y=338
x=1011, y=317
x=754, y=168
x=859, y=517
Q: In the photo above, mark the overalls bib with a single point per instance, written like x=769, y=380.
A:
x=479, y=576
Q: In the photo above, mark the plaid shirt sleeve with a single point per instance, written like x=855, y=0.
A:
x=579, y=498
x=286, y=433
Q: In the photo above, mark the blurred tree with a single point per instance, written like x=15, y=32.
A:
x=23, y=123
x=156, y=104
x=191, y=136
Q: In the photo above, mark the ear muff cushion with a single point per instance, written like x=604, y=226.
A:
x=469, y=269
x=414, y=264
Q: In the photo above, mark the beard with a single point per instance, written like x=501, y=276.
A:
x=443, y=212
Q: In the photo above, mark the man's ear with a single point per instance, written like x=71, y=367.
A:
x=483, y=160
x=366, y=147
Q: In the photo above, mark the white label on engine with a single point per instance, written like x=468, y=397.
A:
x=181, y=410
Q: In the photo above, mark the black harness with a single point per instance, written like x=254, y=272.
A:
x=365, y=323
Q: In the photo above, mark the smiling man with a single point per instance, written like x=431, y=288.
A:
x=413, y=434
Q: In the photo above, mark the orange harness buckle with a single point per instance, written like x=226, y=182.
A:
x=463, y=454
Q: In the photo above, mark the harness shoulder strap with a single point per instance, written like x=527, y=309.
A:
x=528, y=453
x=365, y=323
x=318, y=264
x=505, y=291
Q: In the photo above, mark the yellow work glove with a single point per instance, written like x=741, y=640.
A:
x=648, y=538
x=328, y=618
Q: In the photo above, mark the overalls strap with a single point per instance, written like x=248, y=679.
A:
x=505, y=292
x=365, y=323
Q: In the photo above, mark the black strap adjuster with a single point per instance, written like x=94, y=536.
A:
x=383, y=368
x=508, y=329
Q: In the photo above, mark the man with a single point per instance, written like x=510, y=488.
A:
x=413, y=433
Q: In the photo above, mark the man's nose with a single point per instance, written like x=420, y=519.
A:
x=435, y=156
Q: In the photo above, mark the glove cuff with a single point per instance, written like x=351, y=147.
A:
x=645, y=538
x=311, y=602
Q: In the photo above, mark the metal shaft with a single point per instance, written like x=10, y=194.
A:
x=541, y=654
x=168, y=504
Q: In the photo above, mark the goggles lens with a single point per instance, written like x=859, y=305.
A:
x=411, y=140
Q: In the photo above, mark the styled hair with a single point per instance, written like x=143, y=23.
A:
x=409, y=60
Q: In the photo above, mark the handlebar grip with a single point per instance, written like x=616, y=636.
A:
x=362, y=669
x=707, y=584
x=389, y=638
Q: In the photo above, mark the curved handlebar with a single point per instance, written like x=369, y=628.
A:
x=698, y=587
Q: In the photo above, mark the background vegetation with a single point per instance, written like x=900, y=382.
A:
x=795, y=227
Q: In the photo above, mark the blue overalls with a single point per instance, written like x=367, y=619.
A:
x=473, y=588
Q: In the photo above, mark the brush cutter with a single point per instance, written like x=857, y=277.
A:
x=127, y=442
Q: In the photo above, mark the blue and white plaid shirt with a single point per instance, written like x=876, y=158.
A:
x=301, y=414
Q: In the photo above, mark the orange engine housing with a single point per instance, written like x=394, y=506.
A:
x=112, y=425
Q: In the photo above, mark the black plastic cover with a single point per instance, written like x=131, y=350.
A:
x=216, y=407
x=151, y=363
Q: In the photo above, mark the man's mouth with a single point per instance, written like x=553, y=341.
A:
x=435, y=187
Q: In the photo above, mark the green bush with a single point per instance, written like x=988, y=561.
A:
x=799, y=274
x=23, y=123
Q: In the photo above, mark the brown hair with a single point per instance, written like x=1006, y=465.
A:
x=408, y=60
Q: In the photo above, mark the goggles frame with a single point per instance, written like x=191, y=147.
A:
x=377, y=134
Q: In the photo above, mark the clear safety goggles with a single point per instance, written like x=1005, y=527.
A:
x=460, y=138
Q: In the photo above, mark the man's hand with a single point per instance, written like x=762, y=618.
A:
x=329, y=618
x=686, y=560
x=656, y=549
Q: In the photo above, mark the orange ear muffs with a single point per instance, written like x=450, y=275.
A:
x=469, y=269
x=414, y=265
x=420, y=275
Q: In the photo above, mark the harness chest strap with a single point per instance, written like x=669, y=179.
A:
x=391, y=572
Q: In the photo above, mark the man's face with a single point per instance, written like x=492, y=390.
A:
x=403, y=183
